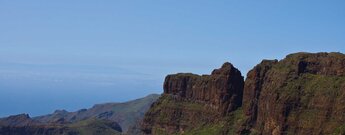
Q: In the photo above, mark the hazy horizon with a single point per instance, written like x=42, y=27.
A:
x=74, y=54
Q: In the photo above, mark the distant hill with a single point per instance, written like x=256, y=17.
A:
x=108, y=118
x=126, y=114
x=22, y=124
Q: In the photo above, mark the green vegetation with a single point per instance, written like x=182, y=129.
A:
x=126, y=114
x=311, y=85
x=308, y=90
x=212, y=129
x=229, y=125
x=340, y=130
x=167, y=101
x=235, y=119
x=190, y=115
x=196, y=118
x=94, y=126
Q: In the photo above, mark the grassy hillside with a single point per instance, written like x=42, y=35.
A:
x=96, y=127
x=127, y=114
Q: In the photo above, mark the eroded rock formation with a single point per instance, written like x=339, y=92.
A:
x=191, y=100
x=301, y=94
x=222, y=89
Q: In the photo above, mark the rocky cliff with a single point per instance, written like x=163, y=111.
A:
x=221, y=90
x=301, y=94
x=191, y=100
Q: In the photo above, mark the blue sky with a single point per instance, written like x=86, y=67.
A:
x=73, y=54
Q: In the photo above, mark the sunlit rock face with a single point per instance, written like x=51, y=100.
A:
x=301, y=94
x=190, y=100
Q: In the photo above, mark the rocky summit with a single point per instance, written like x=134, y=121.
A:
x=302, y=94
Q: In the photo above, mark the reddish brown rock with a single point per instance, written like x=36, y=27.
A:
x=301, y=94
x=222, y=89
x=253, y=84
x=191, y=101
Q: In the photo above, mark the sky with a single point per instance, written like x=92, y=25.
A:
x=72, y=54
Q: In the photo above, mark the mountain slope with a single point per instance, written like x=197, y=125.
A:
x=23, y=125
x=126, y=114
x=108, y=118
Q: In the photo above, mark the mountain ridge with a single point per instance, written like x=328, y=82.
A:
x=303, y=93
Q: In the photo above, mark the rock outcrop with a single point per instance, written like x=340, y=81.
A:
x=190, y=100
x=222, y=89
x=301, y=94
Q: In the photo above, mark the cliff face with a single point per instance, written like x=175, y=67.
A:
x=222, y=89
x=301, y=94
x=191, y=100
